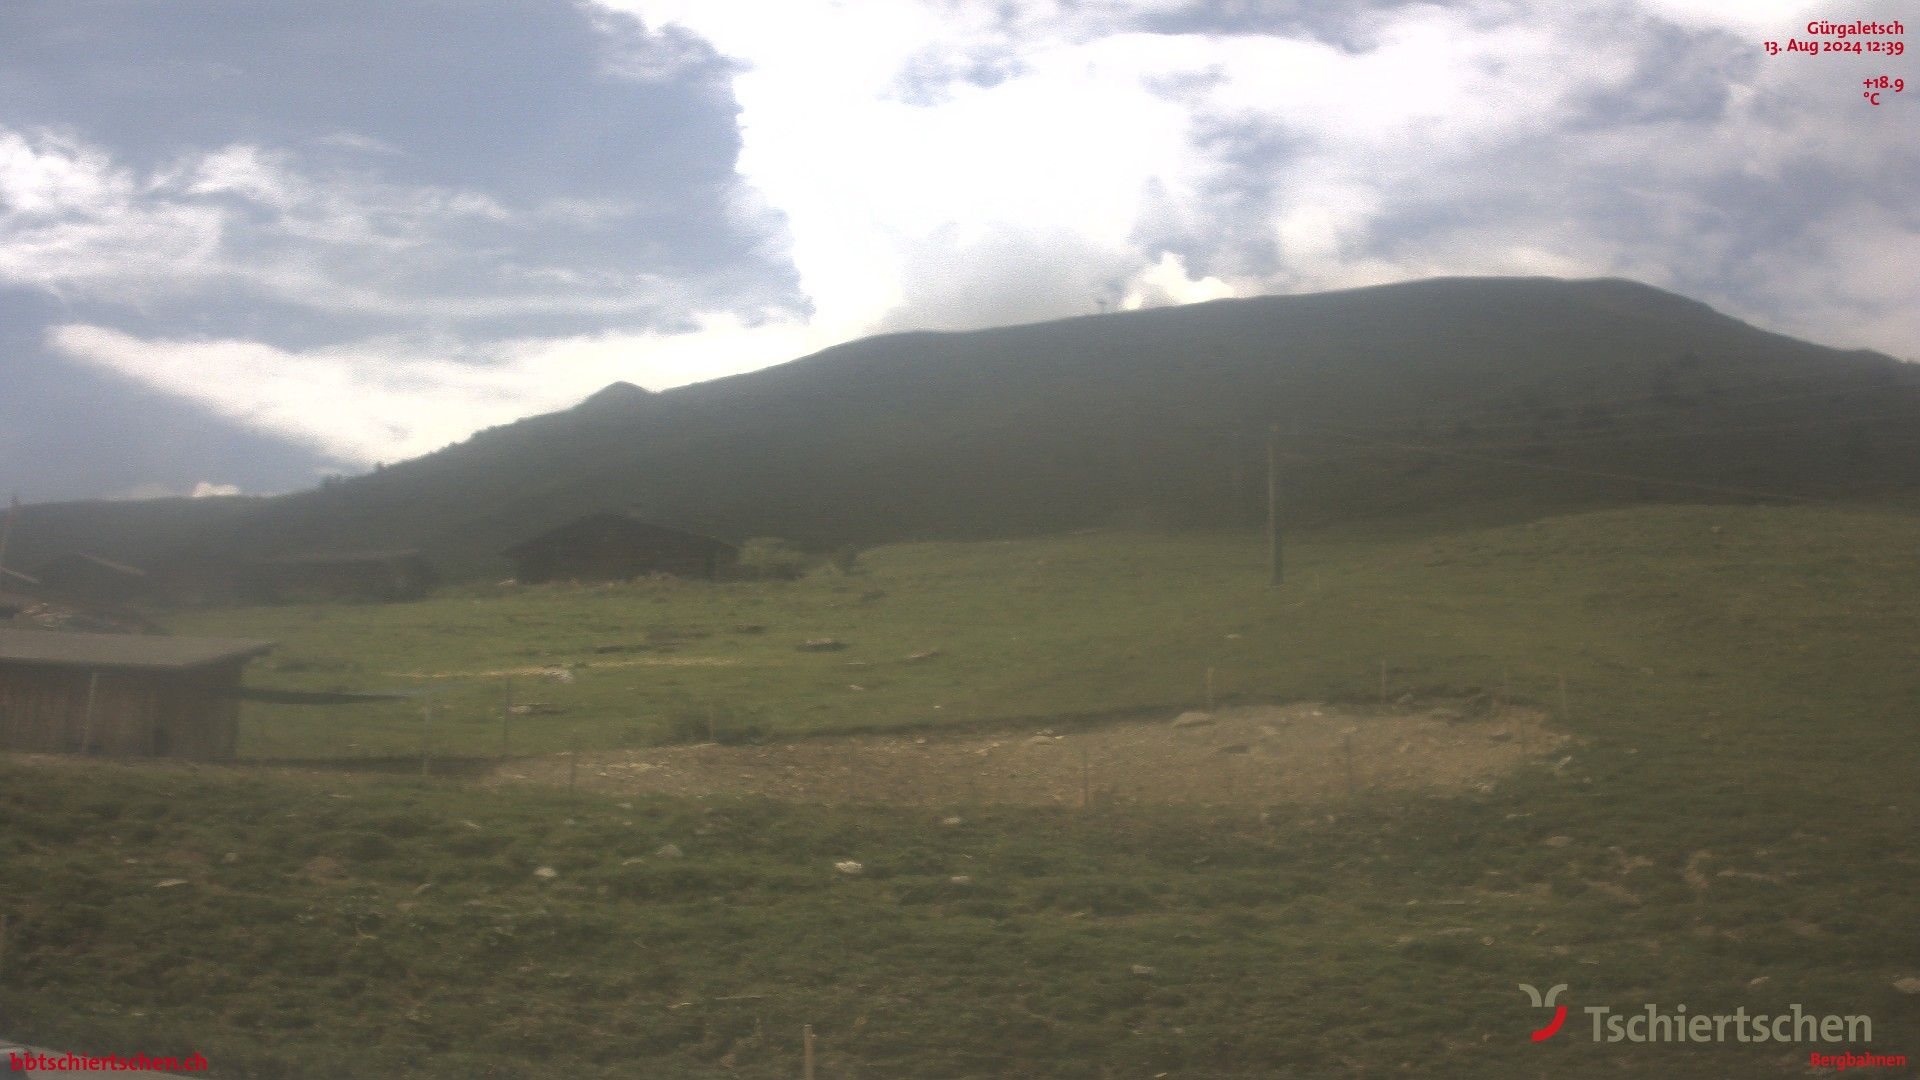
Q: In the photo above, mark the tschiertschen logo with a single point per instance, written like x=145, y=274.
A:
x=1546, y=1002
x=1652, y=1023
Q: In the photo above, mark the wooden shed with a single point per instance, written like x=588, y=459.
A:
x=615, y=546
x=127, y=695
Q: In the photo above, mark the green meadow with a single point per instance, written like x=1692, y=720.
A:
x=1730, y=826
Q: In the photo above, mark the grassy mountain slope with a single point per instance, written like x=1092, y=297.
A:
x=1152, y=417
x=1730, y=828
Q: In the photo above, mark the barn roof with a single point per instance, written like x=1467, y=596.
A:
x=92, y=560
x=136, y=651
x=340, y=558
x=11, y=576
x=630, y=524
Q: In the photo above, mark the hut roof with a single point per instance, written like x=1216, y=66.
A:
x=137, y=651
x=630, y=524
x=340, y=558
x=11, y=576
x=93, y=560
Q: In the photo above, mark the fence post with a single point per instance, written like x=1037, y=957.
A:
x=506, y=715
x=426, y=736
x=1353, y=787
x=86, y=732
x=573, y=757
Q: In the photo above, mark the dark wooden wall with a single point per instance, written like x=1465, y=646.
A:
x=186, y=714
x=609, y=561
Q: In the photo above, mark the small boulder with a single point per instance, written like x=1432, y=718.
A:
x=1192, y=719
x=668, y=851
x=850, y=868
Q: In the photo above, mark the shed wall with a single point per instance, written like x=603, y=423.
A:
x=135, y=713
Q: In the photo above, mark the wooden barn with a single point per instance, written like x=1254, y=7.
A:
x=126, y=695
x=92, y=578
x=352, y=575
x=616, y=546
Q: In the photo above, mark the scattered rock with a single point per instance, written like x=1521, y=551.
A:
x=535, y=708
x=951, y=821
x=850, y=868
x=924, y=654
x=1557, y=841
x=1755, y=984
x=170, y=883
x=821, y=644
x=1771, y=879
x=1145, y=969
x=1608, y=888
x=1192, y=719
x=1909, y=984
x=546, y=873
x=1692, y=874
x=960, y=879
x=1043, y=740
x=668, y=851
x=324, y=869
x=561, y=675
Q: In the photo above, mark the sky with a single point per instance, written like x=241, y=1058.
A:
x=244, y=246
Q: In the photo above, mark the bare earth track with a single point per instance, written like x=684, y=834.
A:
x=1246, y=756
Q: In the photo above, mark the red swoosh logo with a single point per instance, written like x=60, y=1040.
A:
x=1545, y=1033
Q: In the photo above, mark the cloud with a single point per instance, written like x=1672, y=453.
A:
x=389, y=400
x=967, y=164
x=204, y=489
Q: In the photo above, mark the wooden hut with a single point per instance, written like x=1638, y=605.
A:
x=121, y=694
x=351, y=575
x=616, y=546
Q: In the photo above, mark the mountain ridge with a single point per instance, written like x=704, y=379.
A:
x=1152, y=417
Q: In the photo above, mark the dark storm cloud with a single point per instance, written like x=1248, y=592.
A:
x=536, y=162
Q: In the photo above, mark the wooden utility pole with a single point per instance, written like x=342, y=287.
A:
x=93, y=695
x=6, y=529
x=1275, y=564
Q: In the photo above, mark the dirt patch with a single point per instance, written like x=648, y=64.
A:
x=564, y=672
x=1255, y=756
